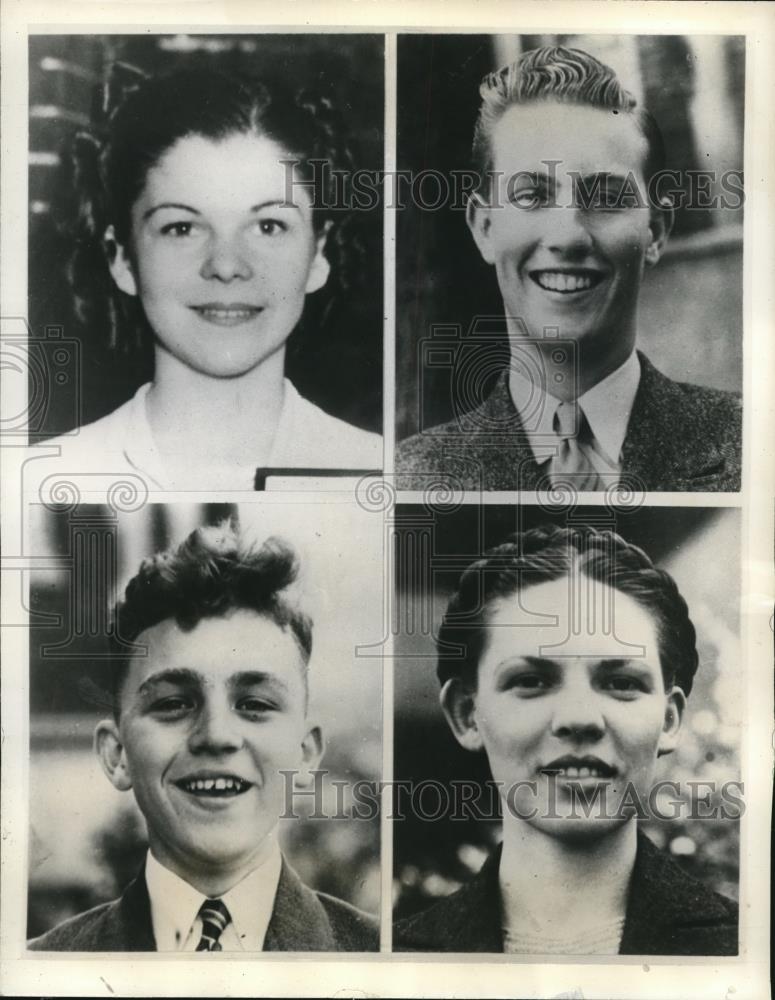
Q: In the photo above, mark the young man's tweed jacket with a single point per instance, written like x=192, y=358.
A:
x=680, y=438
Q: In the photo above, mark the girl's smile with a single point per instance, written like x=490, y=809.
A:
x=222, y=261
x=569, y=693
x=226, y=314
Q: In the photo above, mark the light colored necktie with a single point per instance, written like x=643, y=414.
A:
x=214, y=916
x=571, y=466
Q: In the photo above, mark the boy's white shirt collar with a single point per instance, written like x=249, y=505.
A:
x=175, y=906
x=607, y=407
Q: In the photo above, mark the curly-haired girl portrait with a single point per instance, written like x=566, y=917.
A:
x=194, y=220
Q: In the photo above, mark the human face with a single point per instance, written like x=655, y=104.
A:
x=208, y=719
x=219, y=256
x=568, y=703
x=560, y=265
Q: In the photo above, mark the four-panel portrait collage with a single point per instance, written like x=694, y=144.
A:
x=384, y=492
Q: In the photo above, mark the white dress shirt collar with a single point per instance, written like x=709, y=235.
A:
x=175, y=907
x=607, y=407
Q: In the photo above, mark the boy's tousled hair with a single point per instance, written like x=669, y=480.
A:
x=214, y=572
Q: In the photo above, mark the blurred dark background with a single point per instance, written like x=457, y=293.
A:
x=698, y=546
x=335, y=355
x=690, y=320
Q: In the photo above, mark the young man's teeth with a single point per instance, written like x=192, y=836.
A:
x=579, y=772
x=558, y=281
x=214, y=784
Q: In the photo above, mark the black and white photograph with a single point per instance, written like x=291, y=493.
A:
x=569, y=265
x=186, y=667
x=571, y=711
x=194, y=247
x=567, y=731
x=386, y=499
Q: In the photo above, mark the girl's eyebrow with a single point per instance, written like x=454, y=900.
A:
x=633, y=661
x=275, y=203
x=178, y=206
x=169, y=204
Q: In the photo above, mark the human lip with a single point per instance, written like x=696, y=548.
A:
x=579, y=768
x=227, y=313
x=566, y=280
x=211, y=784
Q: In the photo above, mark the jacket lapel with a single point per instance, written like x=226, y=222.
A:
x=468, y=920
x=664, y=904
x=128, y=926
x=493, y=451
x=667, y=447
x=299, y=921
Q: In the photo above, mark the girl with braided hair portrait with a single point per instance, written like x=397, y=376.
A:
x=205, y=215
x=566, y=657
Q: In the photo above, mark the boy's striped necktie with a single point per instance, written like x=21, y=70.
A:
x=214, y=916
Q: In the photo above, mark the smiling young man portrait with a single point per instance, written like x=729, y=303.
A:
x=568, y=214
x=567, y=657
x=204, y=725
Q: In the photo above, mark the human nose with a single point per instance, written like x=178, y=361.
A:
x=225, y=259
x=567, y=231
x=216, y=729
x=577, y=716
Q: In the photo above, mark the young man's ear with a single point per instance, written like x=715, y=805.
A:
x=110, y=750
x=661, y=221
x=479, y=222
x=119, y=263
x=320, y=268
x=458, y=702
x=312, y=748
x=671, y=726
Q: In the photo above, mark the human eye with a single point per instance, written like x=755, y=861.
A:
x=179, y=229
x=610, y=199
x=625, y=686
x=618, y=196
x=529, y=197
x=256, y=705
x=527, y=683
x=272, y=227
x=172, y=706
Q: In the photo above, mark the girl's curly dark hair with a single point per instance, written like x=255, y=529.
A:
x=105, y=171
x=550, y=553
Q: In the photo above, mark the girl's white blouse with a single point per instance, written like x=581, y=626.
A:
x=121, y=445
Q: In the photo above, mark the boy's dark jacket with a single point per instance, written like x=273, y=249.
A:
x=668, y=913
x=302, y=920
x=680, y=437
